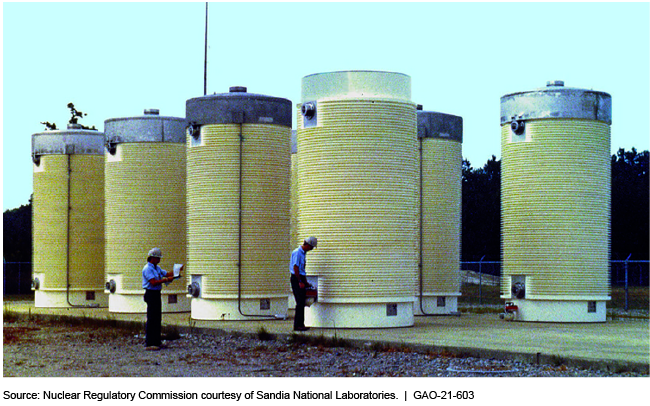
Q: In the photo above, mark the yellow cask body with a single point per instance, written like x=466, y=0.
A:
x=358, y=192
x=145, y=207
x=68, y=218
x=555, y=204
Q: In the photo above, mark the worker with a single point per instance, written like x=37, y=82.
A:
x=153, y=278
x=299, y=282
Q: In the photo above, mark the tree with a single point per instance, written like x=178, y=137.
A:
x=481, y=224
x=630, y=204
x=17, y=229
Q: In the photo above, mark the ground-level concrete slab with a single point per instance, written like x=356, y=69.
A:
x=617, y=345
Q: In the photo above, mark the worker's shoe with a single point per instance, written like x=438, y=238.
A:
x=301, y=329
x=152, y=348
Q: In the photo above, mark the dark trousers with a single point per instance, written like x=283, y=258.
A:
x=154, y=317
x=299, y=294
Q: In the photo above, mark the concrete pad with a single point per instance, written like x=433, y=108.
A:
x=617, y=345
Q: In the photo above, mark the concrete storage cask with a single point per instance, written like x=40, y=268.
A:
x=358, y=192
x=68, y=218
x=145, y=207
x=441, y=157
x=238, y=195
x=555, y=203
x=293, y=240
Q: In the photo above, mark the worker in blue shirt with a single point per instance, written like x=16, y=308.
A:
x=153, y=278
x=299, y=282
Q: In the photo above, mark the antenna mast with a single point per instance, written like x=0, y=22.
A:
x=205, y=59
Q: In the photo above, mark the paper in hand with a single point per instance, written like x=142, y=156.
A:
x=177, y=270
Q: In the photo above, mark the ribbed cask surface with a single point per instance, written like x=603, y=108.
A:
x=145, y=208
x=358, y=193
x=556, y=208
x=213, y=179
x=85, y=183
x=441, y=215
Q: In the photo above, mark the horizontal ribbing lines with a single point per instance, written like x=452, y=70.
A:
x=213, y=210
x=556, y=208
x=86, y=221
x=145, y=208
x=441, y=206
x=357, y=192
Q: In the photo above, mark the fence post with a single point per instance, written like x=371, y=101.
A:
x=627, y=296
x=480, y=281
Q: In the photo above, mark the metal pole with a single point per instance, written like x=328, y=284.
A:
x=68, y=239
x=205, y=58
x=239, y=243
x=239, y=238
x=67, y=243
x=480, y=280
x=627, y=296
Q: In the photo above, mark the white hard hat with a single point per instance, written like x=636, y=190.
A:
x=313, y=241
x=155, y=252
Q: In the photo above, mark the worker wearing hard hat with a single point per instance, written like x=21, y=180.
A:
x=153, y=278
x=299, y=282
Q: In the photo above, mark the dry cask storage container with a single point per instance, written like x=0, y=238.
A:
x=358, y=194
x=238, y=196
x=293, y=240
x=440, y=159
x=68, y=218
x=294, y=190
x=555, y=203
x=145, y=207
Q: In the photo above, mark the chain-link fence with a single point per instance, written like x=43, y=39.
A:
x=480, y=283
x=629, y=279
x=629, y=285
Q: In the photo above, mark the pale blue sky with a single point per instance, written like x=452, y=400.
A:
x=116, y=59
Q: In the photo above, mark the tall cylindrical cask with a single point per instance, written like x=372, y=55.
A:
x=358, y=193
x=68, y=218
x=555, y=203
x=145, y=207
x=238, y=196
x=440, y=160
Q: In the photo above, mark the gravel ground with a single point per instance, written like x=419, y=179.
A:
x=44, y=349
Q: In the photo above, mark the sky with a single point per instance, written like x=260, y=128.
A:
x=117, y=59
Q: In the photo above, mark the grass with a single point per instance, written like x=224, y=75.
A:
x=27, y=297
x=264, y=335
x=637, y=297
x=319, y=341
x=84, y=321
x=490, y=295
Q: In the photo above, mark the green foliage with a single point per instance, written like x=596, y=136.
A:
x=17, y=233
x=481, y=213
x=630, y=204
